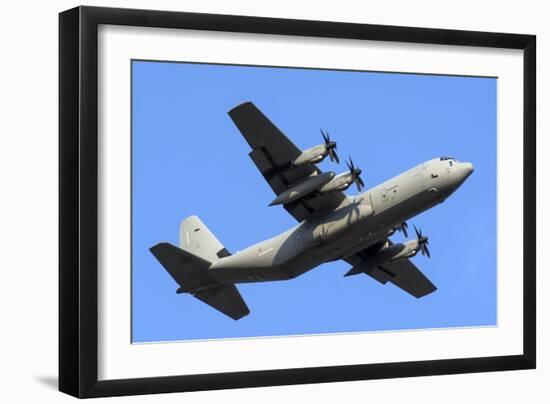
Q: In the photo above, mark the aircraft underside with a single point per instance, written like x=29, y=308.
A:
x=301, y=263
x=332, y=226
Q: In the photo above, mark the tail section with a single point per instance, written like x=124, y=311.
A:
x=197, y=239
x=188, y=270
x=225, y=298
x=189, y=264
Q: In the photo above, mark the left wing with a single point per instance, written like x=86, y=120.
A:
x=402, y=273
x=273, y=152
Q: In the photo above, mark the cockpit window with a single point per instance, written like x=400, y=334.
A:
x=443, y=158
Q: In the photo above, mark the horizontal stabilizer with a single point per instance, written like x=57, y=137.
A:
x=188, y=270
x=225, y=298
x=191, y=274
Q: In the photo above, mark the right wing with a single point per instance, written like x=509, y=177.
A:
x=405, y=275
x=273, y=152
x=402, y=273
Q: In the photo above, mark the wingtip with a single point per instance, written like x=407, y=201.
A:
x=157, y=246
x=351, y=272
x=154, y=247
x=240, y=106
x=427, y=292
x=241, y=315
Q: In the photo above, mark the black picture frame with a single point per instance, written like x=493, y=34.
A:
x=78, y=201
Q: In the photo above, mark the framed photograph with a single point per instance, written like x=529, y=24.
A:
x=251, y=201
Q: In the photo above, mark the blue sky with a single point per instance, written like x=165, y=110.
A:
x=189, y=158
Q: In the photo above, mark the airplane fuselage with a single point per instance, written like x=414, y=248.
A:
x=357, y=223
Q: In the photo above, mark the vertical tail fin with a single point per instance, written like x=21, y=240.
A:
x=197, y=239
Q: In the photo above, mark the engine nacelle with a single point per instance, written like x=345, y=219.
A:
x=314, y=155
x=389, y=253
x=408, y=250
x=341, y=182
x=303, y=188
x=324, y=183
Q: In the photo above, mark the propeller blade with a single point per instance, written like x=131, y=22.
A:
x=403, y=229
x=325, y=137
x=333, y=155
x=422, y=241
x=330, y=146
x=358, y=184
x=355, y=174
x=425, y=250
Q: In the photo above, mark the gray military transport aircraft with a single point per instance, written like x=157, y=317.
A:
x=332, y=226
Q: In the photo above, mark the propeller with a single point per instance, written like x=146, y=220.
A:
x=422, y=242
x=330, y=146
x=402, y=227
x=355, y=174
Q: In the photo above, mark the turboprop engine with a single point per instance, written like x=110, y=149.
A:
x=316, y=154
x=324, y=183
x=303, y=188
x=343, y=181
x=393, y=252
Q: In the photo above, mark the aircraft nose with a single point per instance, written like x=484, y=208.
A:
x=466, y=169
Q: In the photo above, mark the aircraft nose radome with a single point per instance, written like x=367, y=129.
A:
x=469, y=168
x=465, y=170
